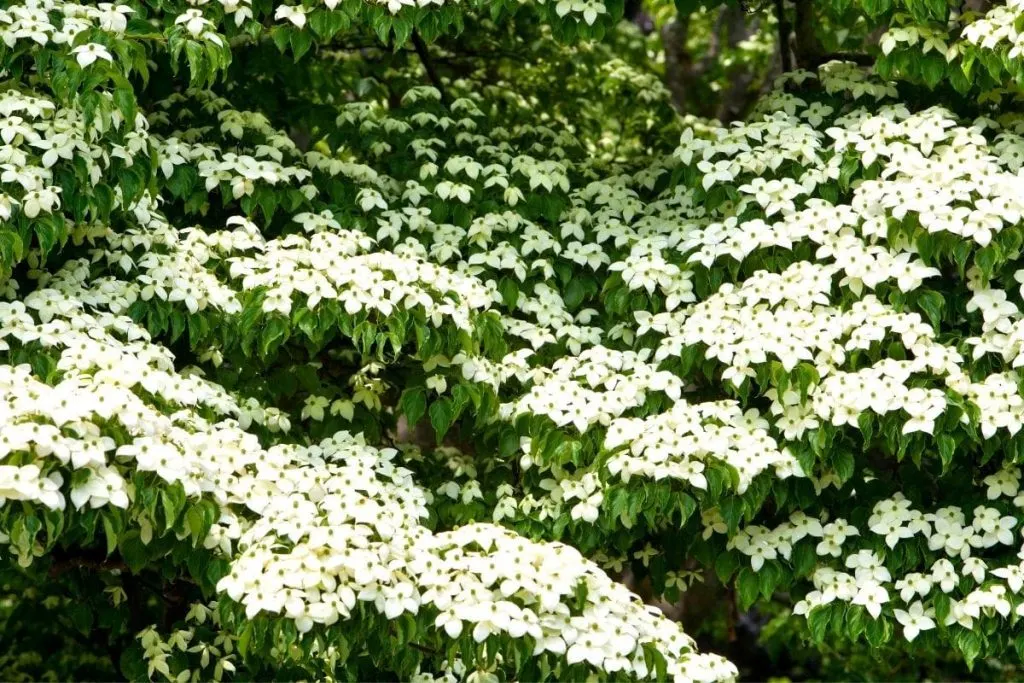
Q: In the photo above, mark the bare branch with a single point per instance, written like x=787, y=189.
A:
x=428, y=65
x=807, y=49
x=784, y=32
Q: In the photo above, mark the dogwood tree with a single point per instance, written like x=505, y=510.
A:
x=346, y=339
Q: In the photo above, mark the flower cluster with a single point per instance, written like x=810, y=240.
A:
x=674, y=444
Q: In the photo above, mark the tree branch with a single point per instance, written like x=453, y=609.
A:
x=682, y=73
x=732, y=615
x=428, y=66
x=678, y=62
x=784, y=31
x=807, y=49
x=739, y=95
x=62, y=565
x=423, y=648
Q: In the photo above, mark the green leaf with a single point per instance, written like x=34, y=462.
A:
x=725, y=565
x=932, y=303
x=843, y=465
x=509, y=290
x=48, y=232
x=134, y=551
x=244, y=639
x=856, y=621
x=986, y=260
x=124, y=100
x=172, y=500
x=748, y=587
x=969, y=643
x=878, y=631
x=300, y=41
x=54, y=521
x=947, y=446
x=413, y=404
x=194, y=522
x=769, y=577
x=866, y=424
x=943, y=605
x=110, y=532
x=275, y=331
x=198, y=62
x=1018, y=645
x=11, y=248
x=574, y=293
x=939, y=9
x=732, y=511
x=806, y=377
x=441, y=417
x=818, y=622
x=803, y=559
x=933, y=68
x=280, y=35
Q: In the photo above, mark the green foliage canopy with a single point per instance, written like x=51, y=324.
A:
x=351, y=340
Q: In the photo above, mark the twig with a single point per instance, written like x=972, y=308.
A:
x=422, y=648
x=59, y=567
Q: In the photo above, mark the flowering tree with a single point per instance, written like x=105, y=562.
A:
x=356, y=340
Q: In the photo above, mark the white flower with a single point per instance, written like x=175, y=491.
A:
x=89, y=53
x=872, y=596
x=294, y=14
x=1014, y=576
x=313, y=408
x=915, y=620
x=437, y=383
x=195, y=23
x=104, y=486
